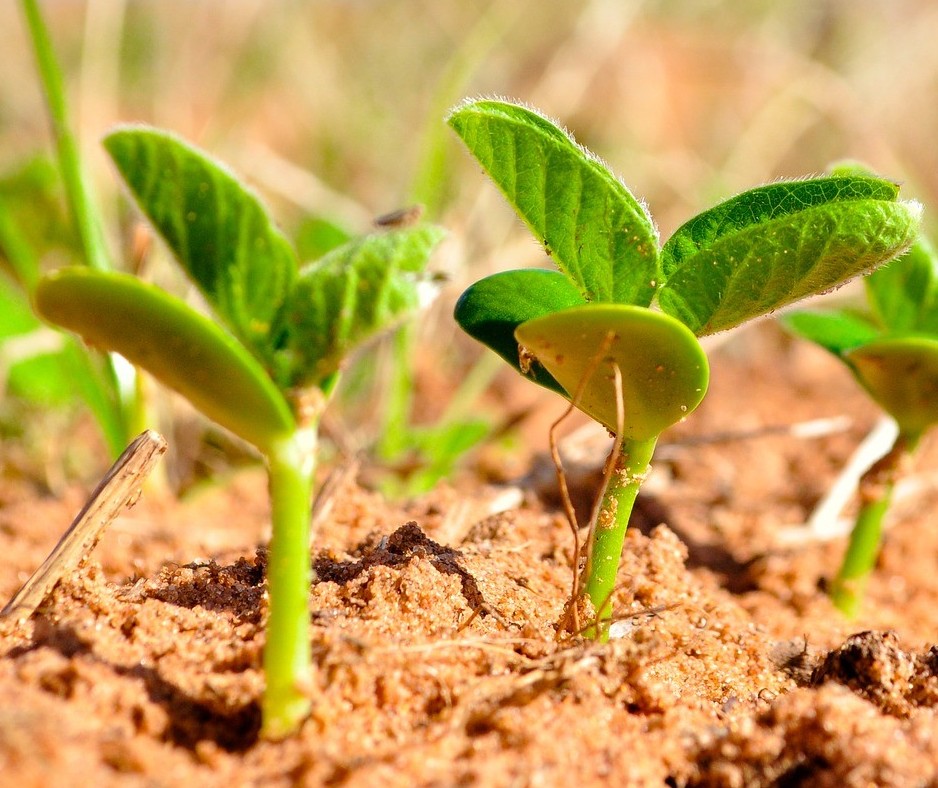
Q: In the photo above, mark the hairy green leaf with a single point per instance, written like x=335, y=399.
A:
x=834, y=331
x=904, y=293
x=217, y=229
x=590, y=224
x=347, y=296
x=664, y=369
x=901, y=374
x=491, y=309
x=179, y=347
x=774, y=245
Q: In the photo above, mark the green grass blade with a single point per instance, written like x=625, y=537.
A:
x=777, y=244
x=77, y=183
x=590, y=224
x=347, y=296
x=491, y=309
x=217, y=229
x=174, y=343
x=665, y=373
x=834, y=331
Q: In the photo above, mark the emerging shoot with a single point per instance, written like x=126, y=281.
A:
x=743, y=258
x=892, y=351
x=265, y=370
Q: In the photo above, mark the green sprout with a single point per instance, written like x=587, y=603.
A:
x=892, y=351
x=267, y=368
x=587, y=331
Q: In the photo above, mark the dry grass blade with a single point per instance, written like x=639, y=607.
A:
x=119, y=488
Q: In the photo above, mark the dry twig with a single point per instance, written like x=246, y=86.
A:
x=119, y=488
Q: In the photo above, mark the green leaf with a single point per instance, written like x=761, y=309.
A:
x=834, y=331
x=174, y=343
x=664, y=369
x=904, y=293
x=491, y=309
x=33, y=218
x=16, y=316
x=590, y=224
x=347, y=296
x=316, y=236
x=901, y=374
x=438, y=450
x=774, y=245
x=42, y=379
x=217, y=229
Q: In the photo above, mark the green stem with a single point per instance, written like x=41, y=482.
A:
x=848, y=587
x=605, y=552
x=876, y=489
x=83, y=209
x=398, y=394
x=77, y=186
x=291, y=464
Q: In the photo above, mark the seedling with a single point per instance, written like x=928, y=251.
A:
x=892, y=351
x=266, y=368
x=587, y=331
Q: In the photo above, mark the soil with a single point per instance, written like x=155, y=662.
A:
x=436, y=649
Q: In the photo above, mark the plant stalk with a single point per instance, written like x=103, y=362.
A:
x=398, y=394
x=77, y=185
x=287, y=664
x=876, y=488
x=86, y=216
x=605, y=551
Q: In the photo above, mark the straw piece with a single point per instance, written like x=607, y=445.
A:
x=119, y=488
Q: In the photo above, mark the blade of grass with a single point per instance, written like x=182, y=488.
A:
x=77, y=186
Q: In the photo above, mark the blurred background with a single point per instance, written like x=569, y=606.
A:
x=334, y=111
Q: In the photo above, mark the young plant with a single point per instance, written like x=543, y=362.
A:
x=892, y=351
x=587, y=330
x=266, y=369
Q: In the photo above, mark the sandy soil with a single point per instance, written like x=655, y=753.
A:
x=437, y=655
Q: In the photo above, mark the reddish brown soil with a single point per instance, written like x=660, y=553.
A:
x=437, y=660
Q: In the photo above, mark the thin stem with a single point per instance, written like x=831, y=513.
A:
x=291, y=464
x=398, y=394
x=629, y=471
x=88, y=224
x=862, y=551
x=77, y=186
x=876, y=487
